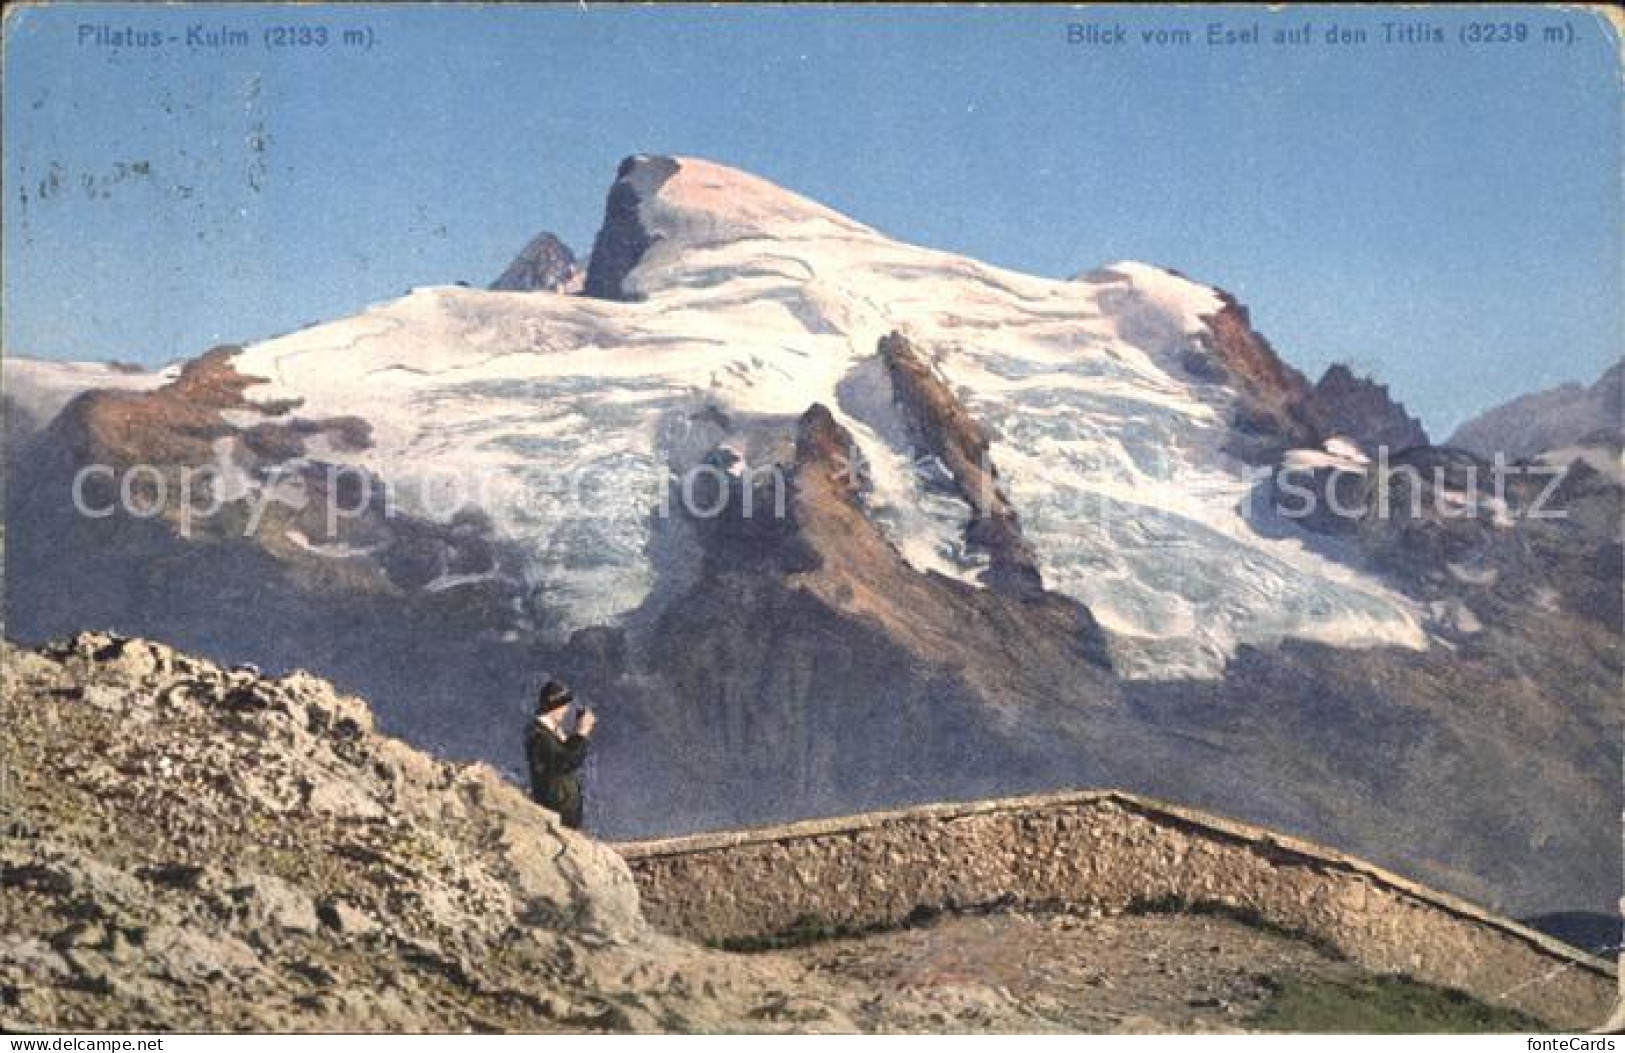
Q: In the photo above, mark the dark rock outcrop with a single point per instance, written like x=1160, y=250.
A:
x=19, y=424
x=1360, y=409
x=545, y=265
x=1273, y=410
x=622, y=240
x=943, y=427
x=1449, y=527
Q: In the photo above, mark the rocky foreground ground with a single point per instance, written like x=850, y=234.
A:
x=188, y=847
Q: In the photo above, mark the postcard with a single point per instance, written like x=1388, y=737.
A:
x=811, y=519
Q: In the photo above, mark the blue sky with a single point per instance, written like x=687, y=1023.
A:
x=1446, y=217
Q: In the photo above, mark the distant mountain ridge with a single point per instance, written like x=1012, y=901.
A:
x=1568, y=415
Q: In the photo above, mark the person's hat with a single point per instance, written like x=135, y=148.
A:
x=553, y=695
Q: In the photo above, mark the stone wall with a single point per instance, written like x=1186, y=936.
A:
x=1110, y=852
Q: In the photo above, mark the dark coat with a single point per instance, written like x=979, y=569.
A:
x=555, y=772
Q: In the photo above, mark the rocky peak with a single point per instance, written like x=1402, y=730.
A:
x=1272, y=412
x=684, y=203
x=623, y=239
x=820, y=440
x=1361, y=409
x=545, y=265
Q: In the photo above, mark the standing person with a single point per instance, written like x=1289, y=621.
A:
x=556, y=746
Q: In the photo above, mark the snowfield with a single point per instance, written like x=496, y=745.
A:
x=565, y=416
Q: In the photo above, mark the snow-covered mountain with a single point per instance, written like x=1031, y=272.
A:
x=750, y=305
x=1025, y=542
